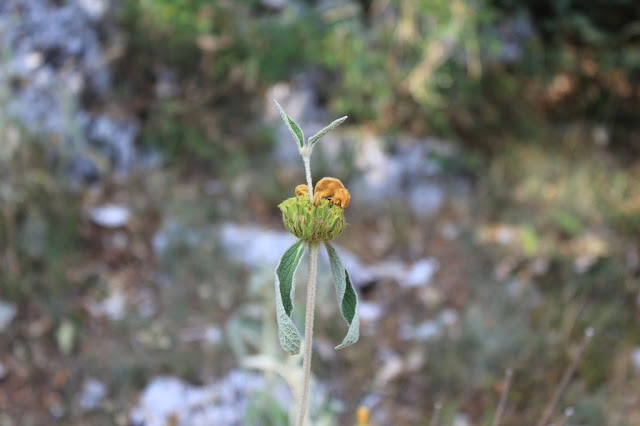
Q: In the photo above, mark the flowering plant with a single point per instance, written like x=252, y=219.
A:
x=314, y=215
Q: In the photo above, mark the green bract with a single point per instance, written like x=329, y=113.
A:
x=322, y=222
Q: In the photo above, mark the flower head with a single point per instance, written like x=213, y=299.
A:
x=323, y=221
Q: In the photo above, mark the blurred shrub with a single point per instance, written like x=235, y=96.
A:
x=589, y=62
x=39, y=221
x=463, y=67
x=394, y=65
x=219, y=38
x=399, y=65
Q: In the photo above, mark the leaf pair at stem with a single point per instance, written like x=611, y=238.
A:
x=297, y=133
x=285, y=285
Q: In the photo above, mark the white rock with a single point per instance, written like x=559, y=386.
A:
x=94, y=8
x=254, y=246
x=163, y=397
x=220, y=403
x=369, y=311
x=448, y=317
x=7, y=314
x=427, y=330
x=635, y=359
x=113, y=306
x=56, y=410
x=93, y=392
x=421, y=272
x=32, y=60
x=426, y=199
x=110, y=215
x=461, y=420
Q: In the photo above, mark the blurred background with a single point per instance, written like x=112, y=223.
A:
x=491, y=153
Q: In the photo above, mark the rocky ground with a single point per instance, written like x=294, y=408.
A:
x=162, y=311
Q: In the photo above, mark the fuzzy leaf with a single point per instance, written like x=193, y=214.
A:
x=285, y=285
x=347, y=297
x=315, y=138
x=293, y=127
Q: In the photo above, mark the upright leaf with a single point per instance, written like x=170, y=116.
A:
x=285, y=276
x=315, y=138
x=347, y=297
x=293, y=127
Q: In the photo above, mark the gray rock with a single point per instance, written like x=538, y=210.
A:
x=116, y=139
x=82, y=170
x=93, y=393
x=53, y=57
x=408, y=172
x=221, y=403
x=256, y=247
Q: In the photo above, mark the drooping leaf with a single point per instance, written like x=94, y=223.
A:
x=285, y=285
x=315, y=138
x=347, y=297
x=293, y=127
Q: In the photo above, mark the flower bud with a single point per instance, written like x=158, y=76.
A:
x=321, y=222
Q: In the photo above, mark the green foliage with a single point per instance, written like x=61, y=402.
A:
x=190, y=140
x=39, y=223
x=170, y=131
x=425, y=66
x=293, y=127
x=347, y=297
x=315, y=138
x=169, y=30
x=264, y=410
x=285, y=285
x=277, y=46
x=220, y=37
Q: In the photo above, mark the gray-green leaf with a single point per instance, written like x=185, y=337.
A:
x=285, y=285
x=347, y=297
x=293, y=127
x=315, y=138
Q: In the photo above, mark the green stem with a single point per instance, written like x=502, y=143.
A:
x=308, y=330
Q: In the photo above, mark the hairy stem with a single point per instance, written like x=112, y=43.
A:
x=308, y=330
x=307, y=170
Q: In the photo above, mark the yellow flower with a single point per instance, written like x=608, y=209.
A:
x=329, y=188
x=363, y=415
x=302, y=190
